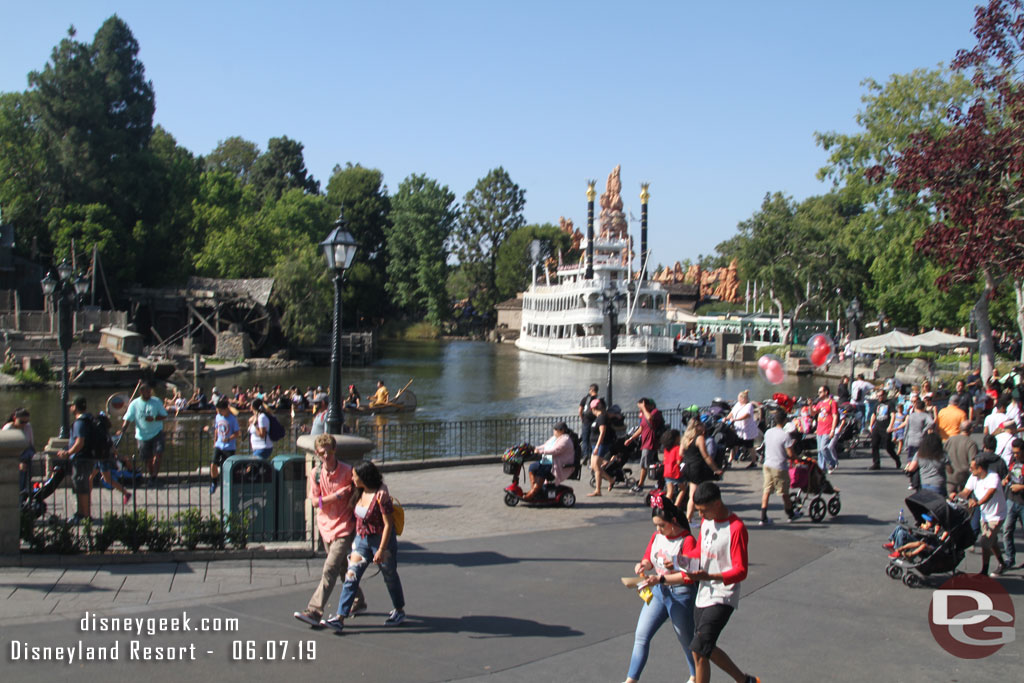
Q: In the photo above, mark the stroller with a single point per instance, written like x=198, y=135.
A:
x=616, y=465
x=848, y=431
x=947, y=552
x=808, y=484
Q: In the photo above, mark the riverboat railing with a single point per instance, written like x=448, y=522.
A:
x=267, y=497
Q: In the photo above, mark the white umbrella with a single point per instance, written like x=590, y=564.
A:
x=890, y=341
x=943, y=340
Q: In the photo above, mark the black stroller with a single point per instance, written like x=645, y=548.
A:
x=616, y=465
x=946, y=549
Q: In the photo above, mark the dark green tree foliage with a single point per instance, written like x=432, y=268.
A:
x=282, y=167
x=94, y=111
x=491, y=211
x=423, y=217
x=22, y=168
x=882, y=238
x=234, y=155
x=361, y=193
x=795, y=251
x=514, y=266
x=303, y=292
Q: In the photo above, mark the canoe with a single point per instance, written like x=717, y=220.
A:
x=403, y=403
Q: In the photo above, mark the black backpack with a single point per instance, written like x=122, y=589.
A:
x=276, y=430
x=96, y=432
x=577, y=455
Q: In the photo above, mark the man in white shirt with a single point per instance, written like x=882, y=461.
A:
x=989, y=498
x=778, y=449
x=860, y=392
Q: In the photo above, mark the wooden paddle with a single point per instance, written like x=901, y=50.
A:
x=401, y=390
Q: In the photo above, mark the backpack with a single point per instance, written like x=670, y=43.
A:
x=397, y=514
x=577, y=455
x=96, y=433
x=276, y=431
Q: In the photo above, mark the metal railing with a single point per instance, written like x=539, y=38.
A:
x=272, y=493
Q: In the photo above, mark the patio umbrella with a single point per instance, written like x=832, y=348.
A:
x=890, y=341
x=943, y=340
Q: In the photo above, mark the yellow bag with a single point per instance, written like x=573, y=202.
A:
x=397, y=514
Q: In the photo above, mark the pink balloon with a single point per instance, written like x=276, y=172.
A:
x=763, y=361
x=775, y=373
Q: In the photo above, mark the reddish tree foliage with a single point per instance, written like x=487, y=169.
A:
x=974, y=172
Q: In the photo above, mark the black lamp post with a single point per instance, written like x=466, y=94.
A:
x=971, y=332
x=339, y=249
x=63, y=291
x=610, y=299
x=853, y=313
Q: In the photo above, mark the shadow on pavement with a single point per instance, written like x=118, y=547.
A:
x=475, y=626
x=483, y=559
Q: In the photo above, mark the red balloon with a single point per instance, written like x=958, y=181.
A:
x=820, y=354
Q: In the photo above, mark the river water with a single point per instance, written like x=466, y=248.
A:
x=465, y=380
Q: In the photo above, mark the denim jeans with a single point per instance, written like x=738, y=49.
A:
x=826, y=455
x=1014, y=514
x=900, y=537
x=364, y=547
x=669, y=602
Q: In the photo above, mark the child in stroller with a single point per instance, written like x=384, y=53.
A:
x=938, y=542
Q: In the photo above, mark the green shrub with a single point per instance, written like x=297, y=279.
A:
x=238, y=529
x=111, y=530
x=191, y=533
x=162, y=536
x=138, y=526
x=60, y=536
x=9, y=368
x=27, y=530
x=213, y=533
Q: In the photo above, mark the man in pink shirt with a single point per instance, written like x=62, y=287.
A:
x=330, y=490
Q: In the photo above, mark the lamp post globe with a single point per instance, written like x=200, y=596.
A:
x=339, y=250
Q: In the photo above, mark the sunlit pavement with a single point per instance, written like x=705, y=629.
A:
x=520, y=594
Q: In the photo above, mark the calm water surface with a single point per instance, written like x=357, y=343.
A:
x=461, y=380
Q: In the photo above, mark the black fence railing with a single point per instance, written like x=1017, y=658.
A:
x=264, y=499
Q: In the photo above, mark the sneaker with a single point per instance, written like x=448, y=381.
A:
x=75, y=519
x=637, y=489
x=334, y=622
x=765, y=522
x=797, y=514
x=890, y=546
x=997, y=571
x=213, y=488
x=358, y=606
x=396, y=617
x=308, y=616
x=125, y=498
x=752, y=679
x=893, y=555
x=875, y=467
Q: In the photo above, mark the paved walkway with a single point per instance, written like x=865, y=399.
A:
x=518, y=594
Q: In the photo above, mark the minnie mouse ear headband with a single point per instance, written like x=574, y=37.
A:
x=657, y=499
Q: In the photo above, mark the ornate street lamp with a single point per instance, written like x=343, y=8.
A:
x=853, y=313
x=610, y=298
x=339, y=249
x=63, y=290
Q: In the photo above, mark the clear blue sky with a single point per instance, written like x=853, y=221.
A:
x=714, y=104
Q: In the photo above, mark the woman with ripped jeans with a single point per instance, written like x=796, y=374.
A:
x=375, y=541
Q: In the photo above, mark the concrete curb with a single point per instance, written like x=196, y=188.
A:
x=94, y=559
x=436, y=463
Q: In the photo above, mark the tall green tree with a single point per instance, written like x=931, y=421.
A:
x=793, y=251
x=234, y=155
x=491, y=211
x=423, y=217
x=514, y=265
x=303, y=293
x=361, y=194
x=883, y=237
x=282, y=167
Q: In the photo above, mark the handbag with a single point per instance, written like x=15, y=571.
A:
x=397, y=514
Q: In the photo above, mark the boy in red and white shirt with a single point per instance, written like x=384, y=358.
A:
x=723, y=565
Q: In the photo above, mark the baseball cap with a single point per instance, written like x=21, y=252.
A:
x=78, y=402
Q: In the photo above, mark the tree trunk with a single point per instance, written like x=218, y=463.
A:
x=783, y=331
x=986, y=349
x=1018, y=291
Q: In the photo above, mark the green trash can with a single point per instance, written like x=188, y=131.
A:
x=249, y=487
x=291, y=496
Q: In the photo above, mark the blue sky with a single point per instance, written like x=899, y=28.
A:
x=714, y=104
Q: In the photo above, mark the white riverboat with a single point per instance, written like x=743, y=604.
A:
x=566, y=318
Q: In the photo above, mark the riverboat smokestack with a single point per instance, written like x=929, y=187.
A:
x=591, y=193
x=644, y=196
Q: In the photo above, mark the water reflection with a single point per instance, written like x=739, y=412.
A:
x=465, y=380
